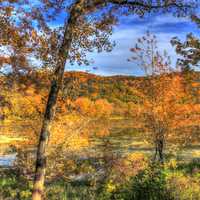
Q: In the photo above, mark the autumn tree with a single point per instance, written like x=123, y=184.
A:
x=153, y=63
x=86, y=24
x=71, y=38
x=189, y=52
x=165, y=100
x=189, y=49
x=18, y=44
x=18, y=40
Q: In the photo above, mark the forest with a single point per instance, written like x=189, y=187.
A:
x=80, y=135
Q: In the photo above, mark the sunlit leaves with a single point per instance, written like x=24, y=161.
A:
x=189, y=51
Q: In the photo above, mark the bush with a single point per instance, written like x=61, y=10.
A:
x=183, y=187
x=149, y=184
x=162, y=183
x=13, y=186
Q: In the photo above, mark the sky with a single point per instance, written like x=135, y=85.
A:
x=125, y=35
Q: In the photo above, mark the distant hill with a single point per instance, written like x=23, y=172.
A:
x=23, y=101
x=120, y=91
x=113, y=88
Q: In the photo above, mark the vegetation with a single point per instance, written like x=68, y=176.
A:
x=60, y=125
x=150, y=181
x=71, y=132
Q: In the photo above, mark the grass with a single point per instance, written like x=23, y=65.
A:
x=175, y=180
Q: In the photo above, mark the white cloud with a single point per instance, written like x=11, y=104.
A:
x=168, y=18
x=126, y=36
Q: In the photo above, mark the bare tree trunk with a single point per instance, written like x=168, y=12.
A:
x=159, y=146
x=160, y=150
x=56, y=85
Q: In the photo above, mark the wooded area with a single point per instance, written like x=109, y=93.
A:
x=57, y=113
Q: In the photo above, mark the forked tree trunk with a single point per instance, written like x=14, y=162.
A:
x=56, y=84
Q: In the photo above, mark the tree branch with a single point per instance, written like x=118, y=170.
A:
x=150, y=6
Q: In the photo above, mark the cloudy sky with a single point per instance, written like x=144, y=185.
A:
x=125, y=35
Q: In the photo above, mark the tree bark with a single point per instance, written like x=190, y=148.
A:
x=160, y=150
x=159, y=146
x=56, y=84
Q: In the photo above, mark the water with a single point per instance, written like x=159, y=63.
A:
x=122, y=139
x=7, y=160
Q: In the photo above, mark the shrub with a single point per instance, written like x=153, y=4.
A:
x=149, y=184
x=183, y=187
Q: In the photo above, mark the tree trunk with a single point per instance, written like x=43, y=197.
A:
x=43, y=141
x=159, y=145
x=56, y=84
x=156, y=152
x=160, y=150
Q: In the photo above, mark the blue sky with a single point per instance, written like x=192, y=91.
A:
x=125, y=34
x=130, y=28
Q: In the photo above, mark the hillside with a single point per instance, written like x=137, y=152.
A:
x=114, y=88
x=89, y=94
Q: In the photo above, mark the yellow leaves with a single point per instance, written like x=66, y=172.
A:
x=83, y=105
x=70, y=132
x=172, y=164
x=110, y=186
x=103, y=107
x=77, y=142
x=158, y=110
x=102, y=132
x=137, y=157
x=177, y=182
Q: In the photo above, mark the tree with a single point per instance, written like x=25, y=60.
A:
x=17, y=40
x=70, y=42
x=147, y=55
x=153, y=63
x=189, y=50
x=100, y=108
x=80, y=9
x=159, y=109
x=165, y=101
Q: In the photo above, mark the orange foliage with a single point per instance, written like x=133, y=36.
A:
x=168, y=111
x=83, y=105
x=167, y=108
x=98, y=108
